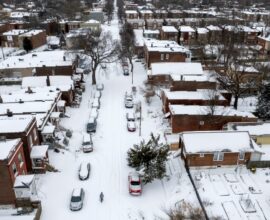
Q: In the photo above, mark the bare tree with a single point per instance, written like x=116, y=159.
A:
x=128, y=44
x=102, y=50
x=212, y=96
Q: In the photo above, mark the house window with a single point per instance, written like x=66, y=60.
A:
x=201, y=155
x=241, y=155
x=162, y=56
x=14, y=169
x=35, y=134
x=218, y=156
x=167, y=56
x=20, y=159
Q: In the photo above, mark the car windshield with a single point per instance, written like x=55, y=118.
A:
x=135, y=183
x=87, y=143
x=75, y=199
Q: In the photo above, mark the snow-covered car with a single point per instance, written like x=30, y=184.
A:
x=134, y=183
x=97, y=94
x=84, y=170
x=87, y=144
x=91, y=125
x=100, y=86
x=96, y=103
x=76, y=201
x=130, y=116
x=94, y=113
x=131, y=126
x=125, y=71
x=128, y=100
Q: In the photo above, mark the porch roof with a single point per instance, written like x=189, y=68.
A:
x=48, y=129
x=39, y=151
x=22, y=181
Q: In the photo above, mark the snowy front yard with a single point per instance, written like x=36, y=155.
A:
x=234, y=193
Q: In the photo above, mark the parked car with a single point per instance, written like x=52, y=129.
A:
x=97, y=94
x=100, y=87
x=91, y=125
x=96, y=103
x=134, y=183
x=130, y=116
x=84, y=170
x=125, y=71
x=131, y=126
x=87, y=144
x=103, y=65
x=129, y=103
x=76, y=201
x=94, y=113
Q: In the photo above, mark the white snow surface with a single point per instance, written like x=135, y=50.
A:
x=212, y=141
x=7, y=146
x=16, y=123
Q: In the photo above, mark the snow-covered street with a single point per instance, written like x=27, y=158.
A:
x=109, y=170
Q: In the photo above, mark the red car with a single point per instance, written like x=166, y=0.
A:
x=131, y=126
x=134, y=183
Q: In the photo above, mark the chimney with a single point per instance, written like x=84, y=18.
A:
x=9, y=113
x=1, y=100
x=21, y=101
x=48, y=81
x=29, y=90
x=64, y=58
x=181, y=77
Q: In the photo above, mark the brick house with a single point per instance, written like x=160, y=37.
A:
x=164, y=73
x=201, y=97
x=11, y=38
x=3, y=28
x=37, y=38
x=146, y=14
x=169, y=33
x=136, y=23
x=164, y=51
x=201, y=118
x=175, y=13
x=187, y=35
x=153, y=24
x=264, y=42
x=155, y=34
x=160, y=13
x=202, y=35
x=40, y=64
x=12, y=164
x=217, y=148
x=214, y=34
x=23, y=127
x=176, y=22
x=131, y=14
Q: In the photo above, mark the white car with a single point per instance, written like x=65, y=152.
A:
x=87, y=144
x=131, y=126
x=100, y=86
x=130, y=116
x=76, y=200
x=84, y=170
x=134, y=183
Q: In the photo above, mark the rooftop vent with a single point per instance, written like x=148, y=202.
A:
x=34, y=55
x=21, y=101
x=9, y=113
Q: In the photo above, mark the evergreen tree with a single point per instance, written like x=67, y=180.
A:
x=150, y=158
x=263, y=106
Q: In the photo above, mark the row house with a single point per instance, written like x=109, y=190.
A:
x=136, y=23
x=14, y=25
x=93, y=25
x=155, y=34
x=154, y=24
x=12, y=164
x=146, y=14
x=131, y=14
x=159, y=73
x=164, y=51
x=200, y=97
x=202, y=118
x=169, y=33
x=160, y=13
x=202, y=35
x=218, y=148
x=175, y=13
x=57, y=62
x=214, y=33
x=187, y=35
x=66, y=26
x=15, y=38
x=254, y=16
x=23, y=127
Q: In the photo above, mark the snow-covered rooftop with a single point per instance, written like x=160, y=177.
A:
x=201, y=78
x=39, y=151
x=186, y=29
x=204, y=110
x=202, y=30
x=213, y=28
x=211, y=141
x=131, y=12
x=164, y=46
x=253, y=128
x=26, y=107
x=16, y=123
x=139, y=40
x=191, y=95
x=180, y=68
x=64, y=83
x=7, y=146
x=37, y=59
x=23, y=180
x=31, y=33
x=169, y=29
x=15, y=32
